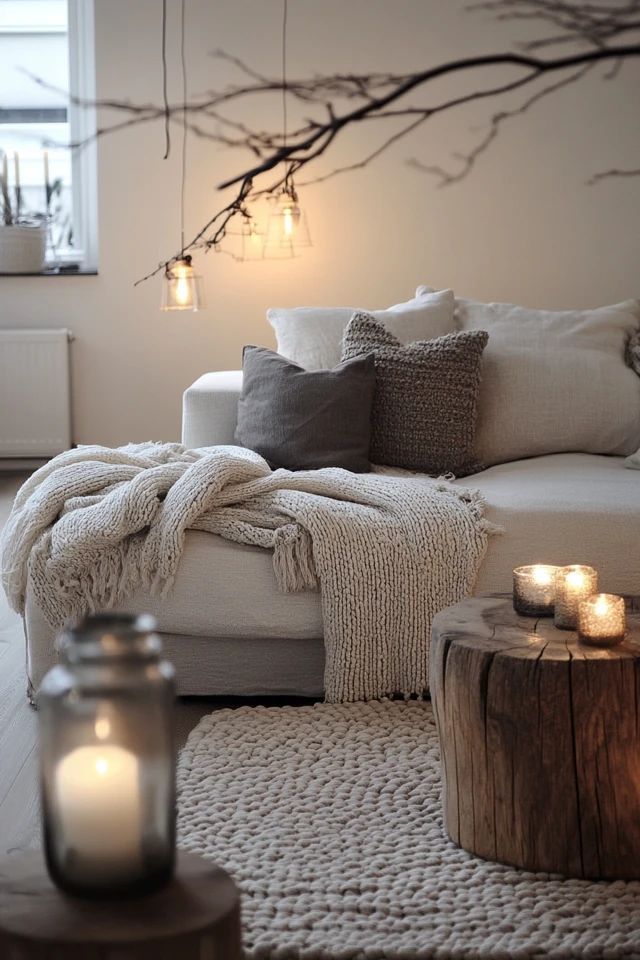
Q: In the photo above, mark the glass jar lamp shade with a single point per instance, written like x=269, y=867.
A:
x=287, y=227
x=107, y=759
x=181, y=287
x=252, y=240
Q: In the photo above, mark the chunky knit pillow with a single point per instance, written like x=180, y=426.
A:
x=426, y=396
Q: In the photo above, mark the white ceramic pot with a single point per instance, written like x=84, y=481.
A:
x=23, y=248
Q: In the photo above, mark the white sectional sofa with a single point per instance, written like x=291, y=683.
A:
x=228, y=629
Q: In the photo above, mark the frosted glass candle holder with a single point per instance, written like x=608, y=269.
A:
x=534, y=590
x=601, y=620
x=107, y=759
x=573, y=584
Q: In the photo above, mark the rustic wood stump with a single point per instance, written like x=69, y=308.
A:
x=540, y=740
x=197, y=915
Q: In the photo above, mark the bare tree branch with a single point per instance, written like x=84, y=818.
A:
x=606, y=174
x=468, y=160
x=598, y=31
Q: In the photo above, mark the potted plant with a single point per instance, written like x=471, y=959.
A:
x=23, y=237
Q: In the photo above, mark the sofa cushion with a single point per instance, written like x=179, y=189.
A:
x=312, y=336
x=426, y=393
x=306, y=419
x=555, y=382
x=562, y=509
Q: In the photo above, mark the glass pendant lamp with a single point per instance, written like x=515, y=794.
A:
x=287, y=228
x=252, y=240
x=181, y=288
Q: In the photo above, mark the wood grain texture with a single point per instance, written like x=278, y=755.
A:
x=196, y=916
x=540, y=740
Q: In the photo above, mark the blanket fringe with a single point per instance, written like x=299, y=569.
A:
x=293, y=559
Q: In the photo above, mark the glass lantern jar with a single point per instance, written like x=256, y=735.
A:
x=108, y=759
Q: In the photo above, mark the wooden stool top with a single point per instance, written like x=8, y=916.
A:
x=490, y=624
x=200, y=900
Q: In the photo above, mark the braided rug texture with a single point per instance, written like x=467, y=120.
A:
x=328, y=817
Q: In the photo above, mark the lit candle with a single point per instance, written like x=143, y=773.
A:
x=601, y=620
x=98, y=796
x=534, y=590
x=573, y=584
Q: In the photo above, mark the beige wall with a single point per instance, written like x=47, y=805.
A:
x=522, y=227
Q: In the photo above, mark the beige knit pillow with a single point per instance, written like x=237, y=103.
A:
x=424, y=406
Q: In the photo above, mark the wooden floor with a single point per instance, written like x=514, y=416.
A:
x=19, y=811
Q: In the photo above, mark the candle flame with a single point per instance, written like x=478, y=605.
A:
x=541, y=575
x=601, y=606
x=102, y=766
x=575, y=578
x=102, y=728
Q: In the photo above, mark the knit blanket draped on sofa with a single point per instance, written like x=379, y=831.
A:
x=386, y=551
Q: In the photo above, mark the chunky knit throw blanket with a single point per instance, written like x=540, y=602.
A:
x=387, y=551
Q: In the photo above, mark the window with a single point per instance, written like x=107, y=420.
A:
x=46, y=51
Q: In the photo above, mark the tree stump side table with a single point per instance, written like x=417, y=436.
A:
x=540, y=740
x=195, y=917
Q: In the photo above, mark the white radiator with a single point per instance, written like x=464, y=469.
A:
x=35, y=394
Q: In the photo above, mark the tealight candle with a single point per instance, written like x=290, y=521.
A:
x=573, y=584
x=534, y=590
x=601, y=620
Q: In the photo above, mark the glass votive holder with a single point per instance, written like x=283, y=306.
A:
x=534, y=590
x=573, y=584
x=601, y=620
x=107, y=759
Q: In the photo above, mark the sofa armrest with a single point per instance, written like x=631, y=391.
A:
x=210, y=409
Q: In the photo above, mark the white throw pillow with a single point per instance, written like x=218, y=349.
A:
x=554, y=381
x=312, y=336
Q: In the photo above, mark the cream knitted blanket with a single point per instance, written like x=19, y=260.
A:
x=387, y=551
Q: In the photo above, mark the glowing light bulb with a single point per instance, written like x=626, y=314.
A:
x=287, y=221
x=183, y=290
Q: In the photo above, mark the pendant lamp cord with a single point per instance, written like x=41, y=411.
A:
x=165, y=99
x=184, y=126
x=285, y=10
x=167, y=112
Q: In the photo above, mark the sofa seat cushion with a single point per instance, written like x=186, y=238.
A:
x=563, y=508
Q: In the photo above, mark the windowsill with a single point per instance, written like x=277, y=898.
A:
x=57, y=272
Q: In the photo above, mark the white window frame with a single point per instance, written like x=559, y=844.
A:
x=82, y=127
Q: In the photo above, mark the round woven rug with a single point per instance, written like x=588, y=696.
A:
x=329, y=819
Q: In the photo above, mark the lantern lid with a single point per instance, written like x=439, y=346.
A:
x=110, y=636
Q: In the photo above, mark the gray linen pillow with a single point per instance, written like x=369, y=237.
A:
x=426, y=397
x=304, y=419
